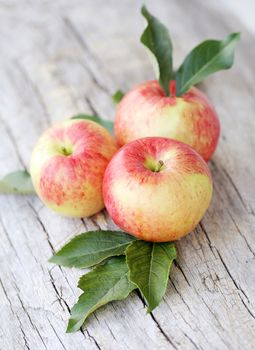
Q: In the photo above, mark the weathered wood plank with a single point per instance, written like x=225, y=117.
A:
x=69, y=58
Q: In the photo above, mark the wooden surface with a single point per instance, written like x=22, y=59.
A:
x=59, y=58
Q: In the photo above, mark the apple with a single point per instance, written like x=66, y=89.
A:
x=157, y=189
x=68, y=164
x=147, y=111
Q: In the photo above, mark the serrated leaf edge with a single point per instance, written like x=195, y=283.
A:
x=149, y=310
x=100, y=305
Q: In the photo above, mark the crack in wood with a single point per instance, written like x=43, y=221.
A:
x=95, y=223
x=58, y=294
x=93, y=110
x=36, y=215
x=93, y=339
x=162, y=331
x=30, y=320
x=110, y=331
x=154, y=319
x=240, y=232
x=60, y=300
x=188, y=324
x=8, y=237
x=84, y=224
x=84, y=46
x=225, y=324
x=35, y=90
x=230, y=180
x=15, y=314
x=24, y=336
x=13, y=142
x=192, y=341
x=56, y=334
x=182, y=299
x=6, y=295
x=235, y=188
x=181, y=270
x=138, y=293
x=238, y=287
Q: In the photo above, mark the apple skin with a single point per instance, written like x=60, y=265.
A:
x=68, y=164
x=157, y=206
x=147, y=111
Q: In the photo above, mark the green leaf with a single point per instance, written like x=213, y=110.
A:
x=90, y=248
x=105, y=123
x=149, y=265
x=208, y=57
x=102, y=285
x=117, y=96
x=157, y=39
x=18, y=182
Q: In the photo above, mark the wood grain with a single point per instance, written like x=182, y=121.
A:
x=65, y=57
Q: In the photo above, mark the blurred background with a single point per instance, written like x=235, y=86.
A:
x=243, y=10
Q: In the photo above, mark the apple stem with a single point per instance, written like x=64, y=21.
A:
x=159, y=166
x=65, y=152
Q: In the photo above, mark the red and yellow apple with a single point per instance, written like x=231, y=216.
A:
x=68, y=164
x=157, y=189
x=147, y=111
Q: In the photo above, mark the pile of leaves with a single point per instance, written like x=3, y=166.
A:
x=120, y=264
